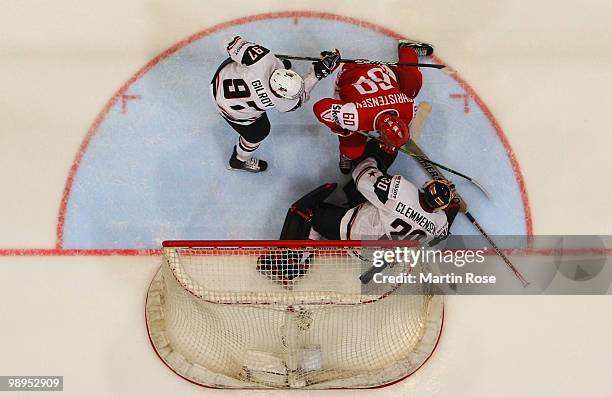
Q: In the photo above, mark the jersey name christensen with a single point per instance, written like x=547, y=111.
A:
x=416, y=217
x=384, y=100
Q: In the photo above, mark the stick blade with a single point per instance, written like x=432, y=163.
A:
x=447, y=70
x=481, y=188
x=417, y=124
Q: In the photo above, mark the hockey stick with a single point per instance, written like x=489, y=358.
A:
x=472, y=180
x=420, y=158
x=434, y=172
x=369, y=274
x=416, y=126
x=444, y=68
x=518, y=274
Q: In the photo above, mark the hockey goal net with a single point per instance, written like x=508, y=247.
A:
x=286, y=314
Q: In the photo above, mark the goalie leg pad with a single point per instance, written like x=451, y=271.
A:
x=297, y=221
x=327, y=220
x=297, y=225
x=311, y=200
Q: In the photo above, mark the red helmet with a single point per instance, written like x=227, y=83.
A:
x=393, y=132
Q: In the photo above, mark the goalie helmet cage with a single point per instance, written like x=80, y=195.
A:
x=286, y=315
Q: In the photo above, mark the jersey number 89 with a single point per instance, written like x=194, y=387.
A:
x=377, y=79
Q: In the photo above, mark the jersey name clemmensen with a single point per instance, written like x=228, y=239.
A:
x=416, y=217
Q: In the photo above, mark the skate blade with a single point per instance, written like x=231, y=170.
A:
x=242, y=170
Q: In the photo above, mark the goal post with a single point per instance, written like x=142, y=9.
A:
x=286, y=314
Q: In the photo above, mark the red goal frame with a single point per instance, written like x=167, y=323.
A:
x=289, y=244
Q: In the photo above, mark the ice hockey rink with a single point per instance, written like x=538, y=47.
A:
x=110, y=144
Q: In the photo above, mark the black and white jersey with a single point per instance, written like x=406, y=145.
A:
x=392, y=210
x=241, y=86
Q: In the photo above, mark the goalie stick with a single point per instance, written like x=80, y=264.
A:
x=416, y=127
x=434, y=172
x=420, y=158
x=441, y=67
x=369, y=274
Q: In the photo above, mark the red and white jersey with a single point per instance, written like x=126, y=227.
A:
x=241, y=87
x=392, y=210
x=363, y=93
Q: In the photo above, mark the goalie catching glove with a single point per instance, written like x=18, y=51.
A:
x=327, y=64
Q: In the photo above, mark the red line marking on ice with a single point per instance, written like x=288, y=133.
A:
x=157, y=252
x=79, y=252
x=466, y=101
x=124, y=100
x=518, y=174
x=61, y=218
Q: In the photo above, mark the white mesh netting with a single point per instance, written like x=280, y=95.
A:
x=272, y=317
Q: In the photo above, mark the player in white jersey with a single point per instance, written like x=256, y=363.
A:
x=250, y=82
x=383, y=207
x=391, y=207
x=395, y=208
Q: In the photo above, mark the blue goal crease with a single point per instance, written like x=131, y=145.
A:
x=158, y=170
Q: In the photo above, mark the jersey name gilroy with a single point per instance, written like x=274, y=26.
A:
x=241, y=85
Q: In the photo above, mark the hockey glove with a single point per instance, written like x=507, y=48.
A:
x=286, y=63
x=452, y=210
x=327, y=64
x=382, y=157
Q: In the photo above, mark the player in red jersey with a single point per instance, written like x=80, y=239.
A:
x=373, y=97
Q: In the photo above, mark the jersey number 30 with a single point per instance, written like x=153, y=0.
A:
x=403, y=231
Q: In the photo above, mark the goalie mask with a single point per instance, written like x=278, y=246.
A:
x=438, y=193
x=286, y=83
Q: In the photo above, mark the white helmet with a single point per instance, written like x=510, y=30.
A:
x=286, y=83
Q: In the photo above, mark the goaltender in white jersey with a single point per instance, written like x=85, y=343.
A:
x=252, y=81
x=383, y=207
x=395, y=208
